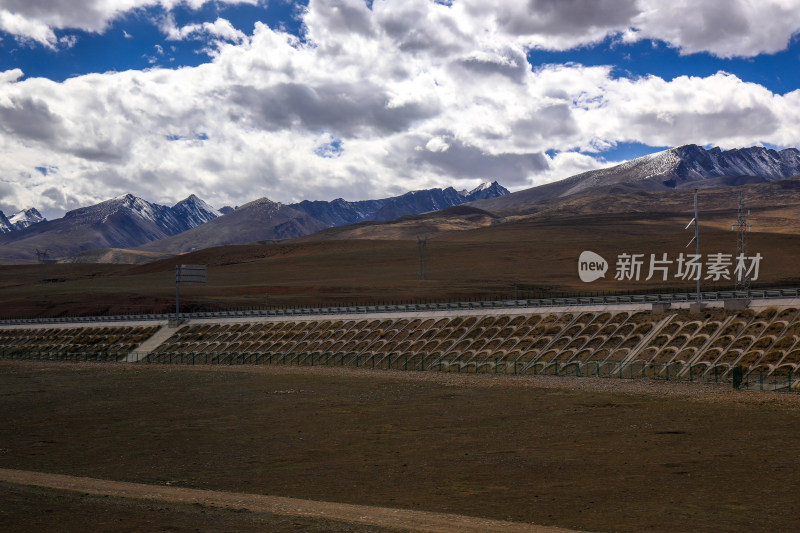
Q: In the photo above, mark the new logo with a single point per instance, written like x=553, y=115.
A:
x=591, y=267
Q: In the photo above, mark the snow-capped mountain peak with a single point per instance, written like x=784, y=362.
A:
x=483, y=186
x=25, y=218
x=195, y=211
x=688, y=166
x=485, y=191
x=168, y=220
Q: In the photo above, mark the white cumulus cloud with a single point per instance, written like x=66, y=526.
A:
x=37, y=20
x=371, y=102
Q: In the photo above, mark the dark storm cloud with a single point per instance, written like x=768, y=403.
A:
x=29, y=118
x=547, y=123
x=104, y=152
x=713, y=25
x=557, y=17
x=56, y=195
x=757, y=121
x=348, y=109
x=465, y=161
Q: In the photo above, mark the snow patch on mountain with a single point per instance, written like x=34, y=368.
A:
x=194, y=211
x=26, y=217
x=685, y=165
x=183, y=216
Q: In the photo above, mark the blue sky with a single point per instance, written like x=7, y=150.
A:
x=131, y=41
x=237, y=99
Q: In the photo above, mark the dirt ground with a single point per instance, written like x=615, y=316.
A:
x=585, y=454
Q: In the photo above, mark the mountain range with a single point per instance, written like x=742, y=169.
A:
x=265, y=220
x=152, y=231
x=20, y=220
x=688, y=166
x=128, y=222
x=122, y=222
x=340, y=212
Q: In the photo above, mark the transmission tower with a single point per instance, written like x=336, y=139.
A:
x=742, y=227
x=41, y=257
x=422, y=244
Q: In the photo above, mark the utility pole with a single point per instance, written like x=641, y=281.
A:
x=422, y=244
x=742, y=227
x=696, y=240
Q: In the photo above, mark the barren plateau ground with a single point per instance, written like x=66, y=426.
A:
x=585, y=454
x=484, y=263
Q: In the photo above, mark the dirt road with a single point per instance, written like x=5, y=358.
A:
x=356, y=514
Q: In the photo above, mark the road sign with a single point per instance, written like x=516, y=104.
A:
x=190, y=274
x=186, y=274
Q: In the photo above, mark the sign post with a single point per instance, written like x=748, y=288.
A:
x=186, y=274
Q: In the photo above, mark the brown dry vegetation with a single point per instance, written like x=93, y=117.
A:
x=596, y=455
x=539, y=250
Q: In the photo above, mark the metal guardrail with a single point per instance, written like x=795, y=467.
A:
x=622, y=299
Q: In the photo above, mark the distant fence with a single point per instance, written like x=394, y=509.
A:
x=622, y=299
x=49, y=355
x=700, y=373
